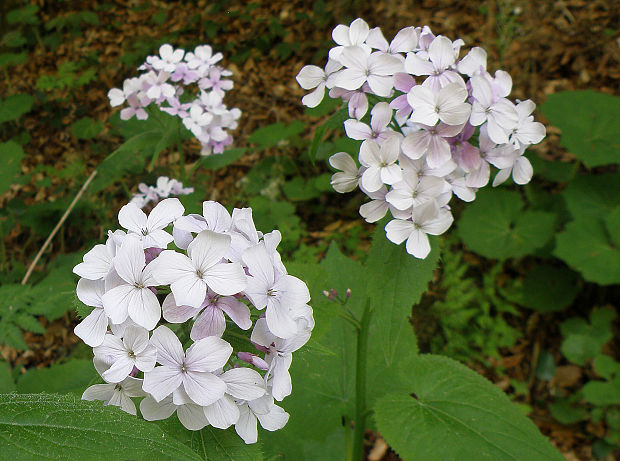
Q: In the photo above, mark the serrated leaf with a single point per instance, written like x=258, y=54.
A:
x=73, y=377
x=454, y=414
x=496, y=226
x=586, y=247
x=86, y=128
x=28, y=323
x=15, y=106
x=11, y=155
x=7, y=384
x=216, y=161
x=80, y=430
x=592, y=133
x=213, y=444
x=545, y=288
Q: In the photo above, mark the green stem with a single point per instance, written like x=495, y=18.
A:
x=360, y=385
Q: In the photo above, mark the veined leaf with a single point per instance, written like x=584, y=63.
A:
x=454, y=414
x=61, y=427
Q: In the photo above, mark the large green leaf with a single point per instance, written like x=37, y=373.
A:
x=216, y=161
x=583, y=340
x=15, y=106
x=395, y=282
x=591, y=133
x=271, y=135
x=593, y=196
x=452, y=413
x=213, y=444
x=335, y=121
x=61, y=427
x=11, y=155
x=586, y=246
x=496, y=226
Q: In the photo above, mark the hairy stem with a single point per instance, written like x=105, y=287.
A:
x=360, y=385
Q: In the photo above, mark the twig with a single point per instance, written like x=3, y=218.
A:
x=57, y=227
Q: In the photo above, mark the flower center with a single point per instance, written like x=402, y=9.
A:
x=145, y=232
x=138, y=285
x=271, y=292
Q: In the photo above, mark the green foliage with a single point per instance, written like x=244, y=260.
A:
x=215, y=162
x=15, y=106
x=72, y=21
x=592, y=132
x=11, y=155
x=583, y=340
x=335, y=121
x=276, y=134
x=26, y=15
x=80, y=430
x=69, y=76
x=470, y=311
x=545, y=288
x=86, y=128
x=12, y=59
x=71, y=377
x=452, y=413
x=496, y=226
x=7, y=384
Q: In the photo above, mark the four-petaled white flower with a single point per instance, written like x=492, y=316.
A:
x=361, y=66
x=271, y=417
x=347, y=179
x=192, y=369
x=446, y=105
x=380, y=163
x=189, y=276
x=151, y=228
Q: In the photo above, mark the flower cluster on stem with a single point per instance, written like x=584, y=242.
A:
x=437, y=125
x=164, y=187
x=188, y=85
x=166, y=308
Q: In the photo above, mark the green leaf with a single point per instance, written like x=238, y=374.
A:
x=545, y=288
x=606, y=366
x=593, y=196
x=602, y=393
x=213, y=444
x=586, y=246
x=612, y=224
x=274, y=134
x=554, y=171
x=496, y=226
x=86, y=128
x=15, y=106
x=11, y=155
x=297, y=189
x=80, y=430
x=455, y=414
x=545, y=368
x=13, y=59
x=25, y=15
x=583, y=340
x=395, y=282
x=73, y=377
x=565, y=413
x=6, y=379
x=335, y=121
x=592, y=133
x=217, y=161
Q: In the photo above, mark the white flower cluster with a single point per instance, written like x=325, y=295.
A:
x=163, y=188
x=425, y=140
x=223, y=273
x=202, y=111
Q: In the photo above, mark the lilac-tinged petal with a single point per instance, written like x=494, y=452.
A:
x=152, y=410
x=177, y=314
x=119, y=370
x=208, y=354
x=204, y=388
x=116, y=302
x=343, y=161
x=130, y=260
x=244, y=383
x=261, y=334
x=164, y=213
x=354, y=57
x=369, y=154
x=171, y=266
x=256, y=291
x=144, y=308
x=501, y=176
x=357, y=130
x=416, y=65
x=374, y=210
x=375, y=40
x=192, y=416
x=96, y=265
x=281, y=382
x=481, y=90
x=208, y=248
x=189, y=290
x=101, y=392
x=226, y=278
x=383, y=64
x=93, y=328
x=246, y=425
x=132, y=218
x=340, y=34
x=217, y=217
x=405, y=40
x=169, y=349
x=314, y=98
x=236, y=310
x=90, y=292
x=280, y=321
x=391, y=174
x=136, y=339
x=439, y=224
x=418, y=244
x=146, y=360
x=371, y=179
x=441, y=52
x=223, y=413
x=381, y=85
x=358, y=31
x=522, y=171
x=381, y=116
x=310, y=77
x=292, y=291
x=211, y=322
x=497, y=134
x=415, y=144
x=438, y=152
x=398, y=230
x=162, y=381
x=158, y=238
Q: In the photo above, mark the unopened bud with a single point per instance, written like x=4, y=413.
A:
x=253, y=360
x=348, y=293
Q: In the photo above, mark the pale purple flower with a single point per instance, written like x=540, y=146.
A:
x=380, y=163
x=447, y=105
x=93, y=328
x=348, y=178
x=527, y=130
x=438, y=66
x=347, y=36
x=151, y=229
x=167, y=60
x=361, y=66
x=381, y=116
x=406, y=40
x=271, y=418
x=310, y=77
x=499, y=114
x=430, y=141
x=115, y=394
